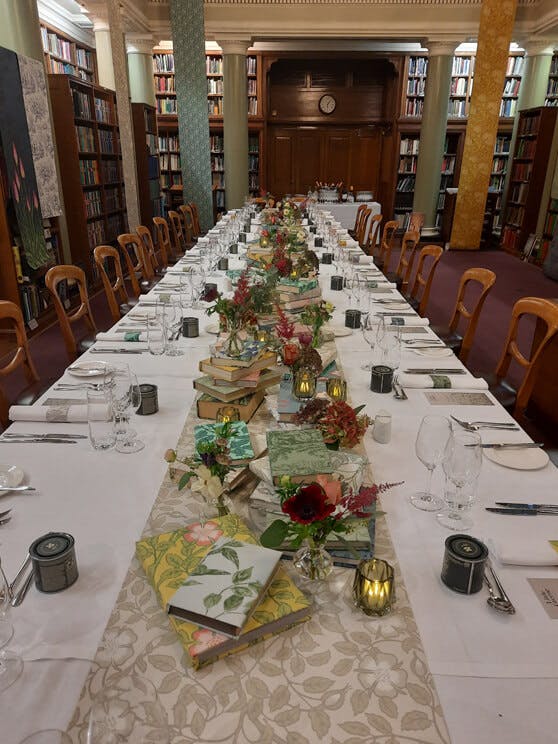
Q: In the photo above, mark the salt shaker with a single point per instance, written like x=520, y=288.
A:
x=382, y=427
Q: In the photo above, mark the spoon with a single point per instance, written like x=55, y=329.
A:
x=499, y=603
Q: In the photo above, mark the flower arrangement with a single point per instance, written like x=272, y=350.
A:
x=339, y=423
x=208, y=468
x=316, y=316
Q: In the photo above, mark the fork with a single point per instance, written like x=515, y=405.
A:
x=80, y=386
x=476, y=425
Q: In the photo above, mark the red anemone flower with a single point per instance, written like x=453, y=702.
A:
x=309, y=504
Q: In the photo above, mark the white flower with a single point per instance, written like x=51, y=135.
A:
x=207, y=484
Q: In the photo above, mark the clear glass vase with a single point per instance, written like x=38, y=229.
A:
x=313, y=561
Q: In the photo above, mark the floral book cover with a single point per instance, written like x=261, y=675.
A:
x=298, y=453
x=173, y=559
x=240, y=446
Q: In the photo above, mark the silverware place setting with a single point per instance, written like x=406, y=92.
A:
x=498, y=598
x=523, y=510
x=509, y=445
x=435, y=371
x=37, y=440
x=41, y=435
x=117, y=351
x=477, y=425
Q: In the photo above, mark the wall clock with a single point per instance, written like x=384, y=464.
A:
x=327, y=104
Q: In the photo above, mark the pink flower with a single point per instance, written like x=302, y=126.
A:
x=205, y=639
x=203, y=534
x=15, y=192
x=332, y=489
x=27, y=205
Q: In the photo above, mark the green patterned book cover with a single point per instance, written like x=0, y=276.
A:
x=296, y=286
x=298, y=453
x=240, y=446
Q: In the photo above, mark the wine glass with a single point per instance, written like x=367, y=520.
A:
x=127, y=709
x=432, y=437
x=11, y=664
x=48, y=736
x=129, y=400
x=173, y=325
x=462, y=463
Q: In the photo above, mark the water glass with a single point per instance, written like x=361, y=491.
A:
x=430, y=446
x=11, y=664
x=462, y=463
x=156, y=338
x=100, y=419
x=48, y=736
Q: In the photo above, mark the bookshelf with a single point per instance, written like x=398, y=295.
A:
x=549, y=229
x=65, y=56
x=88, y=138
x=498, y=174
x=552, y=86
x=532, y=169
x=461, y=85
x=144, y=121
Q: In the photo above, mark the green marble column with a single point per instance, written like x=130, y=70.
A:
x=19, y=29
x=433, y=132
x=188, y=35
x=235, y=118
x=139, y=51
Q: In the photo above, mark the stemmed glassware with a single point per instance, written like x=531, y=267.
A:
x=462, y=463
x=373, y=329
x=126, y=397
x=430, y=445
x=11, y=664
x=173, y=326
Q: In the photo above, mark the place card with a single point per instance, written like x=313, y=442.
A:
x=443, y=398
x=413, y=329
x=546, y=591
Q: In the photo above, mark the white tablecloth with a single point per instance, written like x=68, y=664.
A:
x=497, y=676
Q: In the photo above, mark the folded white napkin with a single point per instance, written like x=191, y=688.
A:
x=59, y=414
x=126, y=337
x=399, y=320
x=518, y=552
x=455, y=382
x=160, y=296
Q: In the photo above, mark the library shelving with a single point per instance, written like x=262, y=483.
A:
x=461, y=85
x=498, y=174
x=552, y=86
x=169, y=160
x=254, y=163
x=146, y=140
x=86, y=130
x=549, y=229
x=532, y=169
x=65, y=56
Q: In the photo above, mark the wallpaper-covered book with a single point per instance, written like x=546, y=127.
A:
x=298, y=453
x=240, y=446
x=170, y=559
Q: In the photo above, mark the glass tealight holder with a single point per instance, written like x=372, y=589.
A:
x=227, y=414
x=304, y=384
x=336, y=388
x=262, y=336
x=373, y=587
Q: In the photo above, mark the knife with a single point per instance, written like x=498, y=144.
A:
x=453, y=371
x=117, y=351
x=509, y=445
x=17, y=488
x=516, y=505
x=38, y=441
x=52, y=435
x=398, y=315
x=522, y=512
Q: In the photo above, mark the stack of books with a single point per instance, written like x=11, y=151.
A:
x=299, y=453
x=241, y=382
x=296, y=294
x=221, y=590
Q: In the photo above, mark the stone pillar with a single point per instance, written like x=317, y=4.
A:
x=433, y=132
x=140, y=68
x=103, y=47
x=19, y=29
x=532, y=92
x=188, y=35
x=495, y=33
x=235, y=120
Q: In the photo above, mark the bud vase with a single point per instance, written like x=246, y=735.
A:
x=313, y=561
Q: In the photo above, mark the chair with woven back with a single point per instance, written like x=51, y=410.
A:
x=178, y=240
x=516, y=401
x=480, y=282
x=138, y=265
x=108, y=262
x=402, y=275
x=373, y=234
x=358, y=217
x=73, y=275
x=145, y=235
x=196, y=218
x=12, y=323
x=362, y=232
x=164, y=245
x=386, y=245
x=422, y=284
x=187, y=224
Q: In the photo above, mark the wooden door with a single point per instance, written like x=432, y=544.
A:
x=308, y=160
x=365, y=163
x=281, y=150
x=335, y=166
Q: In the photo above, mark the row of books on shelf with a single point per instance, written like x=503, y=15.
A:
x=515, y=215
x=216, y=143
x=112, y=200
x=418, y=65
x=164, y=84
x=96, y=233
x=86, y=139
x=406, y=184
x=92, y=203
x=252, y=87
x=107, y=142
x=55, y=45
x=58, y=67
x=218, y=180
x=215, y=107
x=88, y=172
x=169, y=142
x=34, y=302
x=163, y=63
x=252, y=106
x=508, y=107
x=502, y=144
x=497, y=182
x=151, y=140
x=510, y=239
x=251, y=65
x=82, y=104
x=416, y=86
x=551, y=101
x=499, y=164
x=217, y=162
x=170, y=179
x=521, y=171
x=253, y=162
x=166, y=106
x=459, y=86
x=515, y=66
x=84, y=58
x=552, y=89
x=103, y=111
x=511, y=87
x=213, y=65
x=463, y=66
x=408, y=164
x=170, y=162
x=409, y=146
x=518, y=192
x=253, y=182
x=215, y=86
x=457, y=109
x=448, y=163
x=110, y=171
x=414, y=107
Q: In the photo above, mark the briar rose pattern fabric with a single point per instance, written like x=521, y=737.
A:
x=495, y=33
x=33, y=86
x=340, y=677
x=188, y=33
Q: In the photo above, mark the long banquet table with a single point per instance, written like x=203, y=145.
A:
x=496, y=676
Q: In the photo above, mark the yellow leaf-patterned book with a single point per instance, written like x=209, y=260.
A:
x=170, y=559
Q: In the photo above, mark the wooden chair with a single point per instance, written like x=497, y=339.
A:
x=386, y=245
x=358, y=218
x=424, y=276
x=178, y=240
x=373, y=232
x=12, y=322
x=164, y=245
x=139, y=268
x=73, y=275
x=108, y=262
x=402, y=274
x=145, y=235
x=196, y=218
x=360, y=236
x=187, y=224
x=461, y=342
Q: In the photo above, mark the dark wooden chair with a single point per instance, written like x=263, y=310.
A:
x=480, y=281
x=140, y=272
x=162, y=237
x=420, y=291
x=516, y=401
x=12, y=322
x=358, y=217
x=373, y=232
x=196, y=217
x=402, y=274
x=108, y=262
x=147, y=239
x=361, y=233
x=178, y=241
x=187, y=224
x=74, y=276
x=386, y=245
